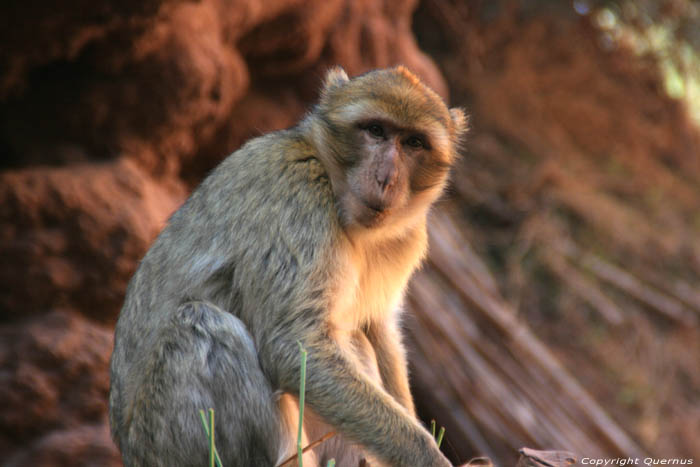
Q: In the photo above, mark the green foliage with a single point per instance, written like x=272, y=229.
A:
x=665, y=31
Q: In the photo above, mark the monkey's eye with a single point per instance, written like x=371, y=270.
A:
x=415, y=142
x=375, y=130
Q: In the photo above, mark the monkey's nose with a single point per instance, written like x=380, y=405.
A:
x=385, y=177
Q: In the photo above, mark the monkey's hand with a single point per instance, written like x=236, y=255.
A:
x=348, y=400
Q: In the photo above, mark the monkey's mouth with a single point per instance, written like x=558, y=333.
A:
x=375, y=206
x=374, y=213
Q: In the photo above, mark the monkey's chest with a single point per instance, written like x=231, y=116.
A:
x=368, y=292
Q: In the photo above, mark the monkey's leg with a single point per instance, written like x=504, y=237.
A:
x=203, y=358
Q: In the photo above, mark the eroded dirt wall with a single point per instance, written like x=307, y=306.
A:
x=110, y=112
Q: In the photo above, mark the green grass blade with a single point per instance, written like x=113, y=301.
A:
x=205, y=425
x=302, y=391
x=204, y=422
x=440, y=435
x=432, y=428
x=211, y=438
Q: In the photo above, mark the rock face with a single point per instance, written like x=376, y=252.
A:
x=54, y=378
x=109, y=113
x=72, y=235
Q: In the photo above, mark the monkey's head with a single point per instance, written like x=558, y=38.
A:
x=387, y=142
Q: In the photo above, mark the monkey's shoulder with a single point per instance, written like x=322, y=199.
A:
x=273, y=184
x=274, y=162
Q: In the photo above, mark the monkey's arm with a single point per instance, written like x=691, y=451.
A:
x=353, y=404
x=385, y=337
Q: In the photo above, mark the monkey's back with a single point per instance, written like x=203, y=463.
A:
x=256, y=224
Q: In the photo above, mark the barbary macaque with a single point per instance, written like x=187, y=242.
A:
x=307, y=235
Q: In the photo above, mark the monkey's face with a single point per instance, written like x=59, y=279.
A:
x=392, y=165
x=390, y=142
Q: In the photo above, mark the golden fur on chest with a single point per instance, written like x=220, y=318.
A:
x=372, y=278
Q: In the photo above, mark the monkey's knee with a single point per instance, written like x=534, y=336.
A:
x=203, y=358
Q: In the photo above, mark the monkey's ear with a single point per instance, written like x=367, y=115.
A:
x=460, y=121
x=335, y=77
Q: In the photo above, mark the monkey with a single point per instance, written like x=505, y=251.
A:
x=307, y=236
